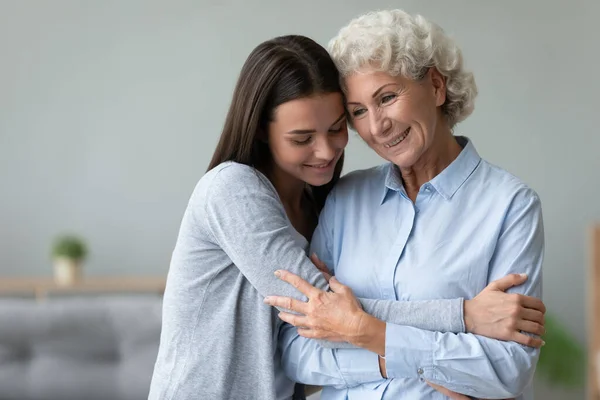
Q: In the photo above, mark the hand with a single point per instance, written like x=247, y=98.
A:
x=498, y=315
x=382, y=368
x=321, y=266
x=451, y=394
x=335, y=316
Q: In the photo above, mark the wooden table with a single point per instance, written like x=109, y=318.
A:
x=42, y=287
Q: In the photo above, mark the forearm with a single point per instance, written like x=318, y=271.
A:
x=444, y=315
x=464, y=363
x=306, y=361
x=434, y=315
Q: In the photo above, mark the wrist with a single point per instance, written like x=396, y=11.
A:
x=369, y=333
x=467, y=316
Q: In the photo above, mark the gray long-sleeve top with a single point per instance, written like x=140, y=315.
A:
x=218, y=339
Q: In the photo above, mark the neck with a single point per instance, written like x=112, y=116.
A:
x=442, y=152
x=289, y=189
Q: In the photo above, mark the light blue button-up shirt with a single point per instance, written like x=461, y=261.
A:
x=470, y=225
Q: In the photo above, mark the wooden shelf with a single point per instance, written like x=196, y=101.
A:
x=593, y=391
x=42, y=287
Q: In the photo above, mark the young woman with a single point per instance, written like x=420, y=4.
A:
x=253, y=213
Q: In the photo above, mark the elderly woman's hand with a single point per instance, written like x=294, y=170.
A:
x=335, y=315
x=506, y=316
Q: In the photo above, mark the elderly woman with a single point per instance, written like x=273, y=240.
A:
x=437, y=221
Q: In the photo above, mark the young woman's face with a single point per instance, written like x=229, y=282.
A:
x=307, y=137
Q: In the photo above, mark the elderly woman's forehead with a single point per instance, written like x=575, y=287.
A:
x=372, y=79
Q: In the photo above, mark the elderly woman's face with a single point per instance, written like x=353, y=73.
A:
x=396, y=116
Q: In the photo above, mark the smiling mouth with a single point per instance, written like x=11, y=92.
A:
x=322, y=166
x=398, y=139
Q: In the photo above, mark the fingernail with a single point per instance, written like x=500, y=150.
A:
x=278, y=273
x=543, y=343
x=523, y=275
x=266, y=300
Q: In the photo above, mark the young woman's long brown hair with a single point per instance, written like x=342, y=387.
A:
x=277, y=71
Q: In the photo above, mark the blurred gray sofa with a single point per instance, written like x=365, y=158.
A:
x=75, y=348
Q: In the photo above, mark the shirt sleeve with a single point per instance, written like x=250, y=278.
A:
x=247, y=220
x=470, y=364
x=307, y=361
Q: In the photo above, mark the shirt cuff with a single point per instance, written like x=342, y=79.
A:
x=358, y=366
x=409, y=352
x=461, y=312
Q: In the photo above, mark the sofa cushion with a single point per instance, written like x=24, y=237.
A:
x=78, y=347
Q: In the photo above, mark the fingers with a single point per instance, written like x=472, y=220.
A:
x=532, y=315
x=319, y=334
x=298, y=321
x=318, y=263
x=527, y=340
x=304, y=287
x=531, y=327
x=507, y=282
x=287, y=303
x=326, y=275
x=336, y=286
x=448, y=392
x=533, y=303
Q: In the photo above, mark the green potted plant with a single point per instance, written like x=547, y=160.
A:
x=68, y=253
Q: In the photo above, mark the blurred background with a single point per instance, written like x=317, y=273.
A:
x=110, y=111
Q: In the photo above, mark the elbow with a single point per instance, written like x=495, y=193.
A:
x=522, y=381
x=517, y=370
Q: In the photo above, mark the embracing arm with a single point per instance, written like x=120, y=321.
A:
x=246, y=219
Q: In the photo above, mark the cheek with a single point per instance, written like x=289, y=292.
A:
x=341, y=140
x=291, y=154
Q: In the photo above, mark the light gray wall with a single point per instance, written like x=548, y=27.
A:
x=110, y=110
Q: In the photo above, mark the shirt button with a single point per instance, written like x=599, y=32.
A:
x=420, y=371
x=427, y=189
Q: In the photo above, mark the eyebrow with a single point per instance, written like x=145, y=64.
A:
x=376, y=92
x=307, y=131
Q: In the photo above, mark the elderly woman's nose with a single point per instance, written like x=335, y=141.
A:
x=378, y=124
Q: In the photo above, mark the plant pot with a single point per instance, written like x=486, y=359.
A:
x=67, y=271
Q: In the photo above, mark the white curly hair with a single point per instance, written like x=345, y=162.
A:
x=398, y=43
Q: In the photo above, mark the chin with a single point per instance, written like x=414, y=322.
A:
x=402, y=160
x=318, y=181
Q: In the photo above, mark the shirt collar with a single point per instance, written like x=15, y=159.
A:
x=393, y=181
x=447, y=182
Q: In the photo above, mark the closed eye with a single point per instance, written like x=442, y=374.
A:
x=303, y=142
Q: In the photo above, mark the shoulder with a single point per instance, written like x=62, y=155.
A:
x=228, y=179
x=233, y=173
x=505, y=185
